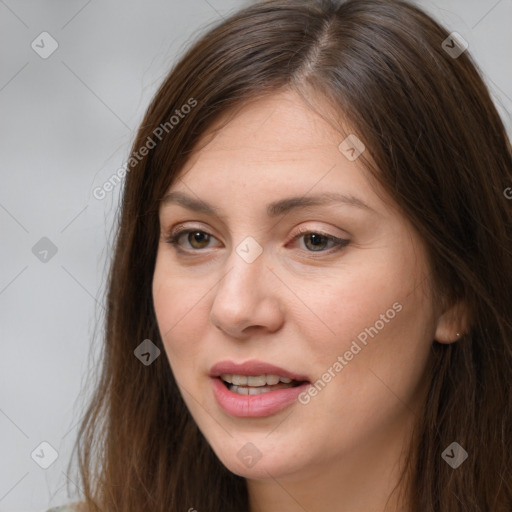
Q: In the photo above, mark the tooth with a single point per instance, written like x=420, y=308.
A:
x=256, y=380
x=243, y=390
x=272, y=380
x=257, y=391
x=240, y=380
x=227, y=377
x=286, y=380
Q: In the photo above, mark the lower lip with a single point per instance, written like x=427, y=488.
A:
x=255, y=406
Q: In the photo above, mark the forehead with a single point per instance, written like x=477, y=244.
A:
x=281, y=124
x=275, y=141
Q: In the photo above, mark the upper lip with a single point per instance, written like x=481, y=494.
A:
x=253, y=367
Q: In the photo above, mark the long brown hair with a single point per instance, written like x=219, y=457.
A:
x=440, y=150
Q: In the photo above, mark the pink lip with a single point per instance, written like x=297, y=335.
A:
x=254, y=406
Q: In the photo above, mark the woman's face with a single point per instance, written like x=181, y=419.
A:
x=277, y=270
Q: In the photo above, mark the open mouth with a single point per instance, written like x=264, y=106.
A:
x=257, y=384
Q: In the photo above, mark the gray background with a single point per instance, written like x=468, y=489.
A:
x=66, y=125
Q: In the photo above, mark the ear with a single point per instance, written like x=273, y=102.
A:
x=452, y=321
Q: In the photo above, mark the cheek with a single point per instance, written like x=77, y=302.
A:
x=343, y=303
x=178, y=308
x=378, y=318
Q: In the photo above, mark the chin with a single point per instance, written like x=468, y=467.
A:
x=246, y=460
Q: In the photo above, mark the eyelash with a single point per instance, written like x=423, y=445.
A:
x=339, y=243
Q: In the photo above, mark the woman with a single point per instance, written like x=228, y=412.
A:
x=309, y=300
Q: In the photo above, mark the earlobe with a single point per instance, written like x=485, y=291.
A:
x=452, y=324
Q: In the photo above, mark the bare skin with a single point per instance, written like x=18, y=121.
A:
x=299, y=305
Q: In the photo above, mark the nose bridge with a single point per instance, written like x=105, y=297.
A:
x=245, y=271
x=243, y=297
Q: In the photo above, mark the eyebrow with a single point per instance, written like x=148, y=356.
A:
x=274, y=209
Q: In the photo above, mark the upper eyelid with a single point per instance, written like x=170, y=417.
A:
x=178, y=231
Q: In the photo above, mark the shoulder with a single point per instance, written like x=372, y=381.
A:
x=70, y=507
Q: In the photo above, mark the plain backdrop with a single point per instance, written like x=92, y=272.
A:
x=66, y=125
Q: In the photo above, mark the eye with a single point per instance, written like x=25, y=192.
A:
x=316, y=241
x=196, y=238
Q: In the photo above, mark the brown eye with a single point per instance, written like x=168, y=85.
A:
x=198, y=239
x=195, y=239
x=317, y=241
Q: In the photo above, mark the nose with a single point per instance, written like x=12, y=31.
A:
x=246, y=299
